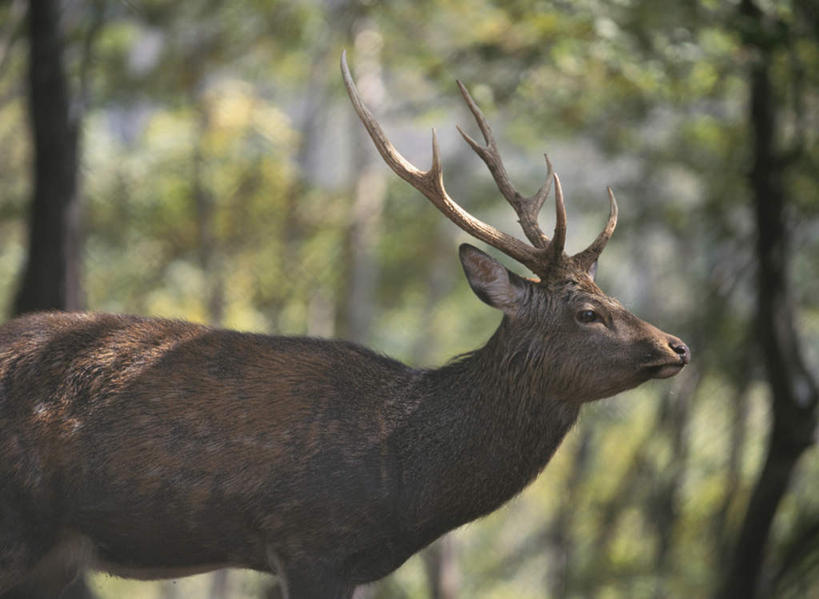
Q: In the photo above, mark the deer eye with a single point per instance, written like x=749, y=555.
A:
x=588, y=316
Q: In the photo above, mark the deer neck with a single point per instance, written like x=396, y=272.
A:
x=487, y=425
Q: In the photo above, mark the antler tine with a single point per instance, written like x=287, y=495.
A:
x=559, y=238
x=527, y=209
x=589, y=256
x=402, y=167
x=430, y=183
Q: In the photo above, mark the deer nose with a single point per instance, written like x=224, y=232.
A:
x=681, y=349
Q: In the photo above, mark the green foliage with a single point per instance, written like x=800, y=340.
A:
x=220, y=164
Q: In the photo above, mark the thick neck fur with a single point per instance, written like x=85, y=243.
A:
x=485, y=426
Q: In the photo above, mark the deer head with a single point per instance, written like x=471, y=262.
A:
x=592, y=346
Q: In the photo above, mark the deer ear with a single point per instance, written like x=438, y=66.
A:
x=593, y=270
x=490, y=280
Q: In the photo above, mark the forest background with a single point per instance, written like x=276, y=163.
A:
x=200, y=160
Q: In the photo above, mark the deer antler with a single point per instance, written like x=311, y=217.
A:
x=544, y=251
x=589, y=256
x=431, y=184
x=527, y=209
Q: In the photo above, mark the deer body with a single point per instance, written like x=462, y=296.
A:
x=162, y=448
x=173, y=447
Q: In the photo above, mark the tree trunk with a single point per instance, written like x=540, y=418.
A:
x=441, y=567
x=560, y=539
x=218, y=585
x=51, y=276
x=204, y=208
x=674, y=419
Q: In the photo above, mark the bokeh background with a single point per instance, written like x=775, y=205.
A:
x=200, y=160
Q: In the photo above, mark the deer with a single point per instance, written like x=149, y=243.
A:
x=151, y=448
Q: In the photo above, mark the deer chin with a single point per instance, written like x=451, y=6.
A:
x=665, y=370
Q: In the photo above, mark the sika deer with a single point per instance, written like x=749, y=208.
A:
x=165, y=448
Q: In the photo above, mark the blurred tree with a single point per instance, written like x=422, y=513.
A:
x=794, y=391
x=51, y=276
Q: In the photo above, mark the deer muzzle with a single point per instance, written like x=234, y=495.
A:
x=677, y=357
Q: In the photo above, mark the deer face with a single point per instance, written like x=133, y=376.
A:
x=589, y=345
